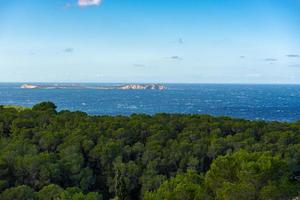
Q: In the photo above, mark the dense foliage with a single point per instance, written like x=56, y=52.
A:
x=45, y=154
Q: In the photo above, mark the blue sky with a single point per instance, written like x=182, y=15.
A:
x=179, y=41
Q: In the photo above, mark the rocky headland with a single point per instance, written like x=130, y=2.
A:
x=115, y=87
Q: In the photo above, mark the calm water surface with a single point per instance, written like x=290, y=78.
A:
x=267, y=102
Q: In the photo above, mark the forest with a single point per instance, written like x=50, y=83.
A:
x=47, y=154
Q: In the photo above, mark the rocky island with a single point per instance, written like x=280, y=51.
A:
x=142, y=87
x=114, y=87
x=28, y=86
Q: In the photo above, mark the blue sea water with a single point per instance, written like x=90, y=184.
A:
x=258, y=102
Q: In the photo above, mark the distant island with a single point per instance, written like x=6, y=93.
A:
x=78, y=86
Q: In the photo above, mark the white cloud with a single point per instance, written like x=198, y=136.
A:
x=89, y=2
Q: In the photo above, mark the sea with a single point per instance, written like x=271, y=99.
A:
x=254, y=102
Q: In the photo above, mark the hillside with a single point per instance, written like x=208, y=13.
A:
x=45, y=154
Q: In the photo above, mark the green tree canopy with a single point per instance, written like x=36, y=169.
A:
x=45, y=154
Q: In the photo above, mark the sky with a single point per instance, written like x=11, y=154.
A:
x=163, y=41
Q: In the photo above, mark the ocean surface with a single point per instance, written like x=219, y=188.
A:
x=256, y=102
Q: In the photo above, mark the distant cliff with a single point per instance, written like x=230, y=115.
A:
x=142, y=87
x=78, y=86
x=28, y=86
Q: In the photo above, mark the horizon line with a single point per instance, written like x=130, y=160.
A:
x=154, y=82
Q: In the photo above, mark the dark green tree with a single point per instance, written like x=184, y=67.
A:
x=22, y=192
x=44, y=106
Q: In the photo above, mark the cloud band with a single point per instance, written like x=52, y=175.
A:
x=84, y=3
